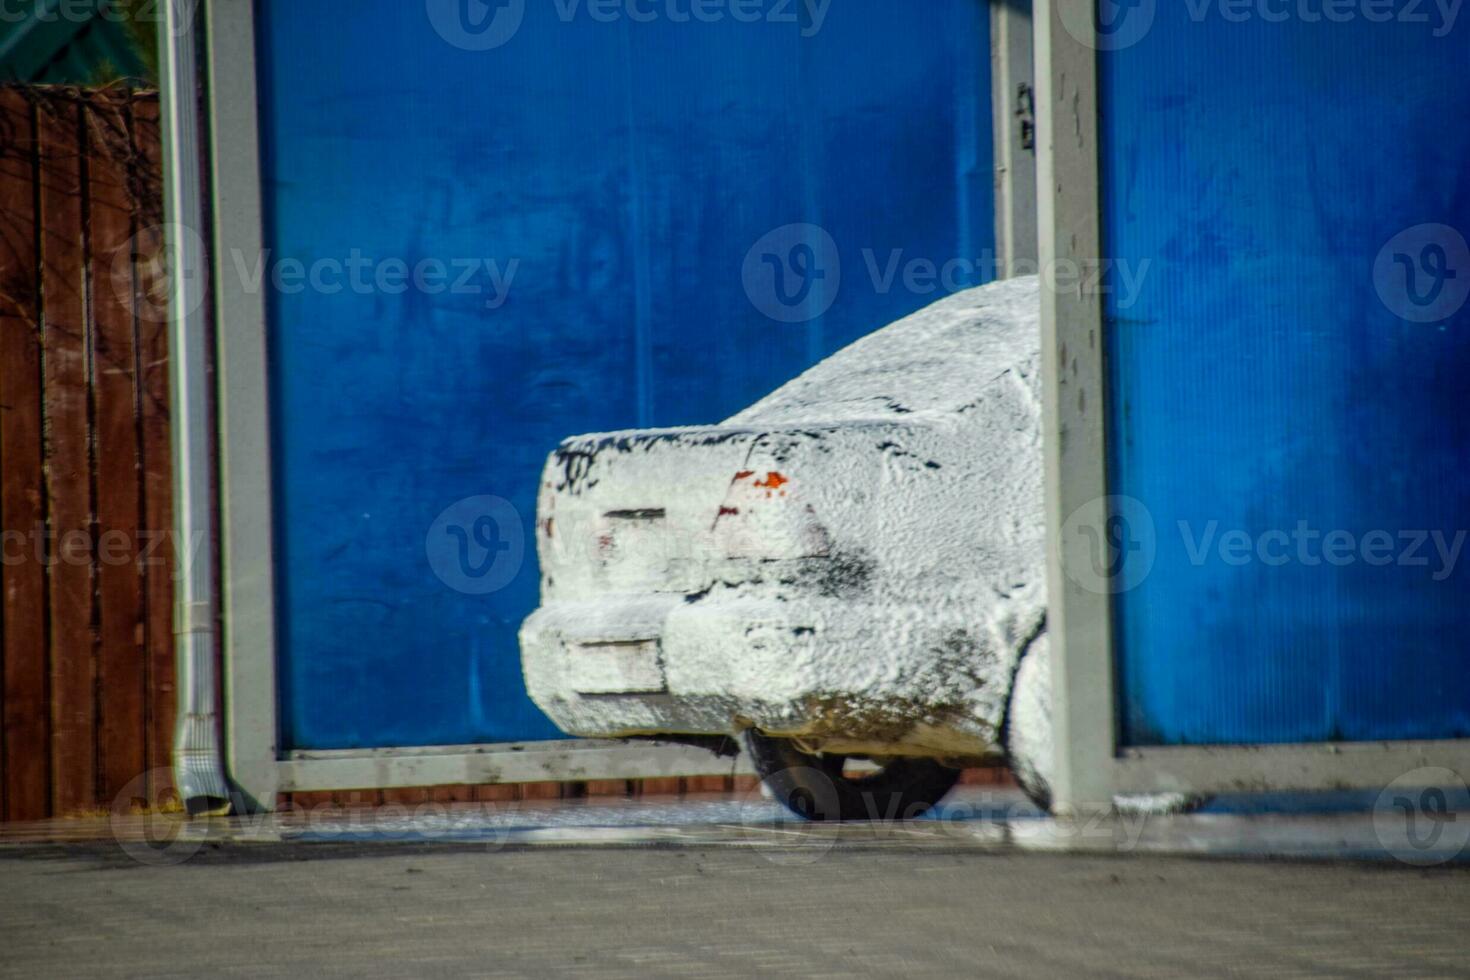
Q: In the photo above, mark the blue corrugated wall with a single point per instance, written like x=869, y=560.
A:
x=1296, y=365
x=626, y=168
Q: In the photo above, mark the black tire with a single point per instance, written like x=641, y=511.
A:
x=1037, y=791
x=814, y=788
x=1026, y=731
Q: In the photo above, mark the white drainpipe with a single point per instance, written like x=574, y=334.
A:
x=198, y=770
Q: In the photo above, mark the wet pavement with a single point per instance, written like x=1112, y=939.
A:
x=1342, y=826
x=721, y=886
x=459, y=909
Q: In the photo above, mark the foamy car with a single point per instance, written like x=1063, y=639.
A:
x=851, y=568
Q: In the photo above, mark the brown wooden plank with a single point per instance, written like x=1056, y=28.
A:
x=64, y=338
x=26, y=727
x=121, y=663
x=156, y=540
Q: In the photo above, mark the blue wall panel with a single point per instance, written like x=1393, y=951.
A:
x=1297, y=362
x=627, y=168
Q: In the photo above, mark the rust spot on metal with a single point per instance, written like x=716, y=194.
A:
x=743, y=474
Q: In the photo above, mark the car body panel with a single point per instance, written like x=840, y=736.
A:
x=856, y=560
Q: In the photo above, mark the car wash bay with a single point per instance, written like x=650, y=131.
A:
x=1288, y=383
x=578, y=198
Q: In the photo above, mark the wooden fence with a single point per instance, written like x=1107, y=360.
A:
x=87, y=547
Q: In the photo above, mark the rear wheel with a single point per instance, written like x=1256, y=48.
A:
x=1027, y=732
x=815, y=787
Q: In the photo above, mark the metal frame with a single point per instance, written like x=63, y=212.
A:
x=1013, y=120
x=1091, y=769
x=198, y=771
x=257, y=768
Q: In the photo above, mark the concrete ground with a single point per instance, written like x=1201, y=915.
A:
x=454, y=909
x=728, y=887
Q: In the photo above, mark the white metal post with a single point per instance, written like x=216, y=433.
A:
x=198, y=773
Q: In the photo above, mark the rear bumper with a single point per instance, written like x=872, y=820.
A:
x=832, y=671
